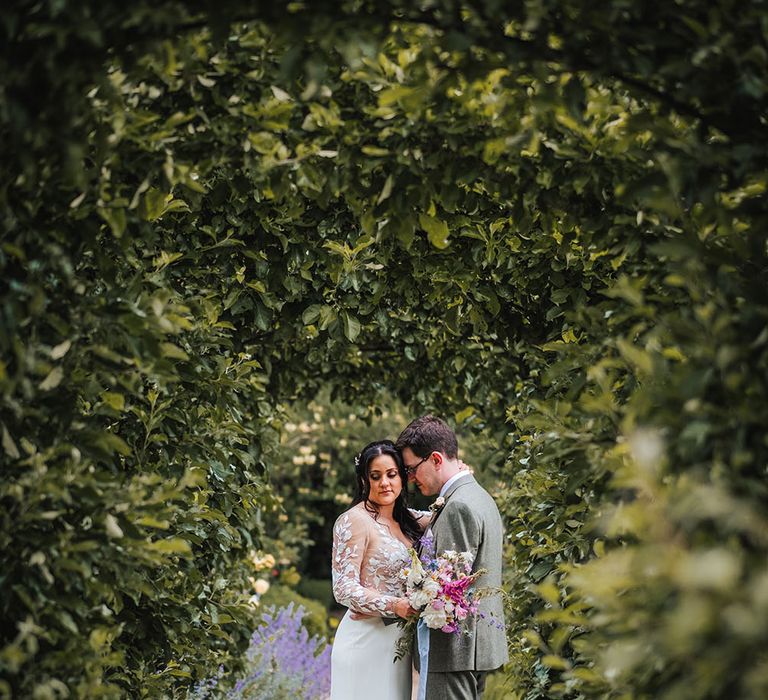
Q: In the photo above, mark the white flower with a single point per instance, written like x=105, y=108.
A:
x=111, y=526
x=435, y=619
x=415, y=574
x=419, y=598
x=647, y=448
x=431, y=588
x=261, y=586
x=415, y=577
x=466, y=558
x=425, y=591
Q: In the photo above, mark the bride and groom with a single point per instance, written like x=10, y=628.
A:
x=370, y=548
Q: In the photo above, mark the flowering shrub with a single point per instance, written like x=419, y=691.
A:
x=283, y=662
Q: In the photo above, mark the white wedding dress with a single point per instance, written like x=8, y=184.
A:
x=367, y=560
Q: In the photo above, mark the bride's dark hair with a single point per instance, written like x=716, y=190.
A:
x=401, y=514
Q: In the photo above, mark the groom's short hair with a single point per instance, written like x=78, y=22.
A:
x=429, y=434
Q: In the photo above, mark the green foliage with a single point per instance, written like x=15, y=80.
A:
x=317, y=589
x=497, y=687
x=316, y=617
x=550, y=214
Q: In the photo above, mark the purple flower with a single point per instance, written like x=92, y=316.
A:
x=427, y=543
x=282, y=661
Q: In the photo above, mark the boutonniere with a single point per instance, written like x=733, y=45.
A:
x=437, y=505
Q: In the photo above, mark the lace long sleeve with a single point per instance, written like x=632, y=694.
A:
x=351, y=538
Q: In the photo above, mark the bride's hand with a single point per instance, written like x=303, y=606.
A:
x=359, y=616
x=402, y=608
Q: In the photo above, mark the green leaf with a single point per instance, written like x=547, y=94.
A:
x=115, y=218
x=173, y=351
x=154, y=204
x=437, y=230
x=327, y=317
x=463, y=415
x=352, y=326
x=310, y=314
x=114, y=399
x=149, y=521
x=164, y=259
x=110, y=443
x=9, y=446
x=262, y=316
x=172, y=545
x=386, y=190
x=635, y=356
x=555, y=662
x=375, y=151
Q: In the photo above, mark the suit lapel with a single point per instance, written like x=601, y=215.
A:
x=451, y=490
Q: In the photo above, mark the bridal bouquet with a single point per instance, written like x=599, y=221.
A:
x=440, y=589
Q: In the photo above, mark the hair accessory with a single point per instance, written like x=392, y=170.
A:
x=357, y=460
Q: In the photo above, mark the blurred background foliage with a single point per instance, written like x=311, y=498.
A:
x=545, y=221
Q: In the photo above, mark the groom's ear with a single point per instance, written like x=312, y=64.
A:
x=438, y=458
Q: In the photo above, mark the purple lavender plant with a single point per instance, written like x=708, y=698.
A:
x=283, y=663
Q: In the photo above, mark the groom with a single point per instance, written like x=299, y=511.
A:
x=467, y=521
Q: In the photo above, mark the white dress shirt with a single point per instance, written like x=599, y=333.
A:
x=452, y=480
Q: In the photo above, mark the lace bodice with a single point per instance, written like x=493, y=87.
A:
x=366, y=564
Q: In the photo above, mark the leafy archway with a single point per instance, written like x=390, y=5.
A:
x=550, y=219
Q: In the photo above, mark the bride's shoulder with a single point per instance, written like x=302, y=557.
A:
x=354, y=517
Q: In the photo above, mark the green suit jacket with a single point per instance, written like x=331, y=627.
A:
x=470, y=521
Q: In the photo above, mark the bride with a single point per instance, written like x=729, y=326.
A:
x=370, y=547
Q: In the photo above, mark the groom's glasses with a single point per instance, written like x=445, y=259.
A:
x=410, y=471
